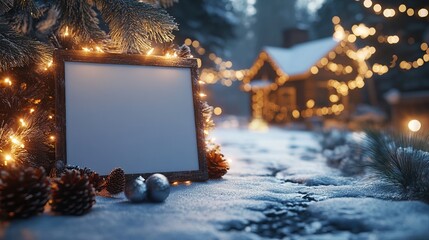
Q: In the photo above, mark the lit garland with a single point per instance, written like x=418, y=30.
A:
x=223, y=71
x=378, y=9
x=363, y=31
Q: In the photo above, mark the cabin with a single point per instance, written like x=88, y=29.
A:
x=321, y=78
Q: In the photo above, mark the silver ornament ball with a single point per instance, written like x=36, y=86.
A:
x=158, y=187
x=136, y=190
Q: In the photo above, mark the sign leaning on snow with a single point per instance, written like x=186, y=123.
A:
x=140, y=113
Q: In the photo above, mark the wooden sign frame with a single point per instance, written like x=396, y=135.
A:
x=75, y=69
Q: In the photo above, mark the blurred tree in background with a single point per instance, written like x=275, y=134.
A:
x=211, y=22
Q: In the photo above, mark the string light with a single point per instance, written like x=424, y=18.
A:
x=217, y=111
x=23, y=123
x=423, y=13
x=150, y=51
x=414, y=125
x=222, y=72
x=48, y=65
x=390, y=12
x=7, y=82
x=7, y=158
x=66, y=32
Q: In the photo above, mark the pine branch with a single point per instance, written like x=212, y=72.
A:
x=31, y=148
x=17, y=50
x=402, y=160
x=22, y=14
x=5, y=5
x=133, y=25
x=81, y=20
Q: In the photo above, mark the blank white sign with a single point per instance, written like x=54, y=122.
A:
x=139, y=118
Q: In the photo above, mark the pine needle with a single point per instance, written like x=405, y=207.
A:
x=134, y=25
x=81, y=19
x=18, y=51
x=402, y=160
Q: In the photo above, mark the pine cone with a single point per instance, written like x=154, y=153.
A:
x=184, y=51
x=216, y=163
x=98, y=182
x=23, y=192
x=116, y=181
x=72, y=194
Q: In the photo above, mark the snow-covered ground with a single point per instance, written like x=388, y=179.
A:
x=279, y=186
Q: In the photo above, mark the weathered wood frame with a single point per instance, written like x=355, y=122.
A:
x=62, y=56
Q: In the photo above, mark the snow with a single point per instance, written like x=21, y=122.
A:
x=301, y=57
x=279, y=186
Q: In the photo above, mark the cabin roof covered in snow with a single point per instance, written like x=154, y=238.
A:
x=300, y=58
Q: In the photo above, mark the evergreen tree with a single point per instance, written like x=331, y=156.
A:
x=29, y=32
x=211, y=22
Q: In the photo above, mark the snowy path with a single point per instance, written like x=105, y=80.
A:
x=279, y=187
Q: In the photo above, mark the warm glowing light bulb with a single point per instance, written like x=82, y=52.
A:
x=314, y=70
x=21, y=120
x=423, y=12
x=7, y=81
x=367, y=3
x=188, y=41
x=7, y=158
x=85, y=49
x=377, y=8
x=310, y=103
x=295, y=113
x=202, y=95
x=66, y=32
x=150, y=51
x=388, y=12
x=217, y=111
x=14, y=140
x=98, y=49
x=195, y=44
x=414, y=125
x=334, y=98
x=336, y=20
